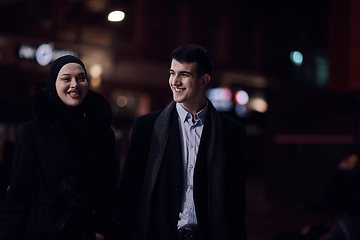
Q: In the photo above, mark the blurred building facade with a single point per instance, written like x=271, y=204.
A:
x=308, y=102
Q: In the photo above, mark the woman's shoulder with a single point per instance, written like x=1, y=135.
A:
x=30, y=130
x=30, y=125
x=35, y=128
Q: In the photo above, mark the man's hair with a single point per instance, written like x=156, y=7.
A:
x=194, y=53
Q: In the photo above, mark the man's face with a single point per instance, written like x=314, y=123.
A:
x=187, y=88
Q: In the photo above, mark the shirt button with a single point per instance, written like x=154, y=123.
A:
x=191, y=166
x=191, y=187
x=192, y=146
x=190, y=208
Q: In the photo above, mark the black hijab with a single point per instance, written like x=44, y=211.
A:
x=55, y=67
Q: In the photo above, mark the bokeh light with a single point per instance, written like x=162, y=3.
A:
x=116, y=16
x=121, y=101
x=296, y=57
x=241, y=97
x=258, y=104
x=221, y=98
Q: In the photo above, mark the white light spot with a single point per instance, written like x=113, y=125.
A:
x=44, y=54
x=116, y=16
x=27, y=52
x=241, y=97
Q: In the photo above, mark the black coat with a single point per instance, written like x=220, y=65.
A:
x=64, y=175
x=151, y=179
x=342, y=194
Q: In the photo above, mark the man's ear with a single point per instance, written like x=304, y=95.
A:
x=204, y=80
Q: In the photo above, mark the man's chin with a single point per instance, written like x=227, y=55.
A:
x=177, y=98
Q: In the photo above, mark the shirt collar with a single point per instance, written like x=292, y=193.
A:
x=185, y=115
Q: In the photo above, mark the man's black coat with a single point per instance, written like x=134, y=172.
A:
x=151, y=182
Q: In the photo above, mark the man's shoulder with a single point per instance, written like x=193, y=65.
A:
x=230, y=121
x=147, y=121
x=226, y=119
x=150, y=116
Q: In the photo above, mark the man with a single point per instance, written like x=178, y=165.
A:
x=184, y=170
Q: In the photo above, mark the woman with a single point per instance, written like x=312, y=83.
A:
x=64, y=174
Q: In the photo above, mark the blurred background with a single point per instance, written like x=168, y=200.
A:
x=288, y=70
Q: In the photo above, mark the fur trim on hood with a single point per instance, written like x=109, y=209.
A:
x=54, y=116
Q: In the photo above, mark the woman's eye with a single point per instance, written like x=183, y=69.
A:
x=82, y=79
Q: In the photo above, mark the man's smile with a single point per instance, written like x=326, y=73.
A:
x=178, y=89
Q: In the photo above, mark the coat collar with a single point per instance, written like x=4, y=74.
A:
x=184, y=115
x=55, y=116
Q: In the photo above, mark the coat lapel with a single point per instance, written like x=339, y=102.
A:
x=159, y=138
x=212, y=155
x=216, y=169
x=211, y=147
x=204, y=143
x=173, y=145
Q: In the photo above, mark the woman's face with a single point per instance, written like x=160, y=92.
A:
x=71, y=84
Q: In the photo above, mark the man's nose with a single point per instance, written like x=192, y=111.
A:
x=176, y=80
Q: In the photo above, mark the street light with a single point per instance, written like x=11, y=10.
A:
x=116, y=16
